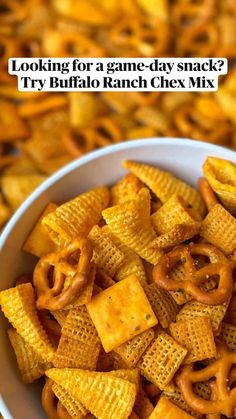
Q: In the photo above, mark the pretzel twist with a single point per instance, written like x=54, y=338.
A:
x=224, y=399
x=63, y=264
x=194, y=278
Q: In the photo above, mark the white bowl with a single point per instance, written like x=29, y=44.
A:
x=180, y=156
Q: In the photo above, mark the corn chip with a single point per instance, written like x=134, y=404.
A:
x=126, y=189
x=38, y=242
x=131, y=222
x=31, y=366
x=18, y=305
x=104, y=395
x=164, y=184
x=221, y=175
x=76, y=217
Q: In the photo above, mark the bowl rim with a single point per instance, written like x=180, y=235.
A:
x=94, y=155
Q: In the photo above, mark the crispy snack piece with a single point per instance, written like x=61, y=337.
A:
x=180, y=296
x=175, y=396
x=117, y=361
x=164, y=184
x=161, y=360
x=132, y=350
x=73, y=262
x=221, y=175
x=76, y=217
x=228, y=333
x=31, y=366
x=16, y=188
x=121, y=312
x=195, y=279
x=60, y=316
x=106, y=255
x=194, y=309
x=126, y=189
x=163, y=305
x=132, y=375
x=143, y=407
x=18, y=305
x=79, y=345
x=219, y=228
x=196, y=336
x=166, y=409
x=11, y=131
x=86, y=293
x=220, y=369
x=173, y=212
x=131, y=222
x=207, y=193
x=83, y=108
x=73, y=406
x=177, y=235
x=38, y=242
x=132, y=263
x=104, y=395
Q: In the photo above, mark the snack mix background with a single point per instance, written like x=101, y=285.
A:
x=40, y=132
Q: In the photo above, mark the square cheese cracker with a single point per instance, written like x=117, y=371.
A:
x=121, y=312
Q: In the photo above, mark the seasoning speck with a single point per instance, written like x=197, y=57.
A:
x=148, y=316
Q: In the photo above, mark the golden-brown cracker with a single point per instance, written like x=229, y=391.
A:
x=164, y=184
x=221, y=175
x=174, y=211
x=106, y=254
x=196, y=336
x=31, y=366
x=219, y=229
x=79, y=345
x=38, y=242
x=18, y=305
x=126, y=189
x=121, y=312
x=76, y=217
x=162, y=359
x=163, y=305
x=168, y=410
x=194, y=309
x=132, y=350
x=131, y=222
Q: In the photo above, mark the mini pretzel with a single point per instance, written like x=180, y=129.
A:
x=195, y=278
x=56, y=297
x=49, y=400
x=207, y=193
x=224, y=398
